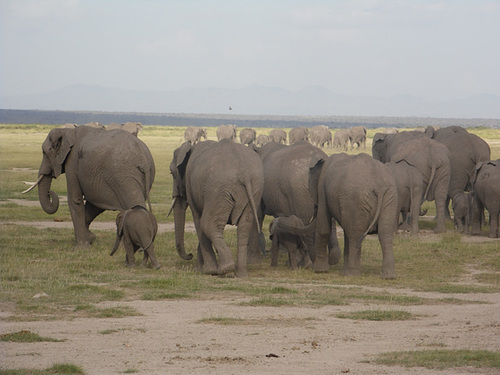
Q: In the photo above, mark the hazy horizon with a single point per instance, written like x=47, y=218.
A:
x=436, y=50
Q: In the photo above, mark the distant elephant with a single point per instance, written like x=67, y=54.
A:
x=485, y=183
x=466, y=150
x=430, y=157
x=295, y=245
x=137, y=227
x=320, y=136
x=95, y=125
x=226, y=132
x=132, y=127
x=105, y=170
x=357, y=136
x=462, y=211
x=194, y=134
x=298, y=134
x=410, y=187
x=360, y=194
x=222, y=182
x=262, y=139
x=278, y=136
x=69, y=126
x=341, y=139
x=286, y=185
x=248, y=136
x=113, y=126
x=391, y=130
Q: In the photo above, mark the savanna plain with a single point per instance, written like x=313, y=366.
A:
x=66, y=311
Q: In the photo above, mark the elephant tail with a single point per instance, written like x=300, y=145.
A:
x=248, y=188
x=431, y=179
x=380, y=201
x=286, y=226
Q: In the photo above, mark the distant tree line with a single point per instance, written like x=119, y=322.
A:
x=13, y=116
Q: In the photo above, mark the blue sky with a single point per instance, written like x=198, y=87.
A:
x=433, y=49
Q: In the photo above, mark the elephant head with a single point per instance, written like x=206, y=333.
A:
x=379, y=147
x=179, y=203
x=56, y=149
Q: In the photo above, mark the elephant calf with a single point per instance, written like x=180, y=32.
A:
x=462, y=205
x=137, y=227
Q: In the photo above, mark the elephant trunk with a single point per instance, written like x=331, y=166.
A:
x=48, y=199
x=180, y=206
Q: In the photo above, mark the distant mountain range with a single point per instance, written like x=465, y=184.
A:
x=252, y=100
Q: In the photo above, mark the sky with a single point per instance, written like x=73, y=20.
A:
x=438, y=50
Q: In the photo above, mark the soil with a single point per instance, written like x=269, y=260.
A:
x=182, y=336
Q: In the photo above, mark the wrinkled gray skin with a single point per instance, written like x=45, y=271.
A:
x=222, y=182
x=466, y=150
x=262, y=139
x=248, y=136
x=226, y=132
x=286, y=187
x=462, y=206
x=359, y=193
x=137, y=228
x=430, y=157
x=194, y=134
x=485, y=183
x=298, y=134
x=294, y=244
x=341, y=139
x=277, y=136
x=357, y=136
x=105, y=170
x=320, y=136
x=410, y=187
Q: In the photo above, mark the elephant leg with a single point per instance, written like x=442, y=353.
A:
x=290, y=243
x=334, y=252
x=494, y=223
x=440, y=202
x=322, y=236
x=257, y=245
x=352, y=256
x=150, y=252
x=130, y=250
x=275, y=249
x=386, y=229
x=246, y=228
x=215, y=234
x=76, y=206
x=91, y=212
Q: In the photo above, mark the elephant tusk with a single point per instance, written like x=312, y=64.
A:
x=172, y=206
x=34, y=185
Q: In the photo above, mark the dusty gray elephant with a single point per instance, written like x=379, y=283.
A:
x=430, y=157
x=294, y=244
x=410, y=187
x=466, y=150
x=286, y=186
x=320, y=136
x=277, y=136
x=226, y=132
x=137, y=227
x=132, y=127
x=357, y=136
x=485, y=183
x=262, y=139
x=298, y=134
x=105, y=170
x=193, y=134
x=248, y=136
x=359, y=193
x=95, y=124
x=222, y=182
x=462, y=206
x=341, y=139
x=69, y=125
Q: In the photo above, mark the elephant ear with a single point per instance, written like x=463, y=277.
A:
x=379, y=137
x=182, y=154
x=315, y=168
x=62, y=141
x=475, y=172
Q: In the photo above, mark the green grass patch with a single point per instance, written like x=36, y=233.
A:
x=378, y=315
x=26, y=336
x=442, y=359
x=57, y=369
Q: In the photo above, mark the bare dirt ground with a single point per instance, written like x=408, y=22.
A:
x=181, y=337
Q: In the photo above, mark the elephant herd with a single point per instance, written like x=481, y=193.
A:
x=307, y=192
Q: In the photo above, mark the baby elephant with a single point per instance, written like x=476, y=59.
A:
x=462, y=205
x=137, y=227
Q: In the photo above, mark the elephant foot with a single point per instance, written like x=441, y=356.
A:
x=321, y=267
x=493, y=235
x=209, y=270
x=129, y=265
x=81, y=246
x=242, y=273
x=388, y=275
x=224, y=269
x=254, y=258
x=334, y=256
x=91, y=237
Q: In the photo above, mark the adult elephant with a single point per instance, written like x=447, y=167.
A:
x=194, y=134
x=486, y=194
x=105, y=170
x=226, y=132
x=466, y=151
x=286, y=187
x=320, y=135
x=262, y=139
x=357, y=136
x=341, y=139
x=360, y=194
x=248, y=136
x=277, y=136
x=298, y=134
x=132, y=127
x=222, y=182
x=430, y=157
